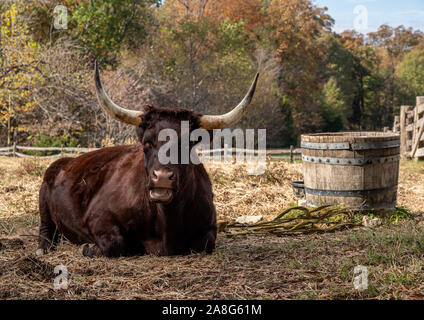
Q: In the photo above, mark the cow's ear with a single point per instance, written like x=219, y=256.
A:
x=140, y=133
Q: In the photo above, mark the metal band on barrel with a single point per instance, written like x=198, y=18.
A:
x=348, y=193
x=350, y=146
x=350, y=161
x=385, y=206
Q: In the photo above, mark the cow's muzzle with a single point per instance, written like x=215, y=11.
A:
x=162, y=185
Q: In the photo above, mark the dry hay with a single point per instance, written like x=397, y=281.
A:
x=411, y=186
x=250, y=266
x=237, y=193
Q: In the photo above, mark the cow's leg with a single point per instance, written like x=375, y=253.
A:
x=205, y=242
x=109, y=242
x=48, y=232
x=90, y=251
x=155, y=247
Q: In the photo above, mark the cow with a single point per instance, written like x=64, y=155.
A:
x=122, y=201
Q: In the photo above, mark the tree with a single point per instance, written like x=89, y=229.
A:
x=390, y=44
x=363, y=60
x=411, y=76
x=397, y=41
x=104, y=27
x=19, y=69
x=251, y=13
x=198, y=56
x=333, y=106
x=295, y=28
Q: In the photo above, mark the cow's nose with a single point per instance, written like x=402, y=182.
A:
x=163, y=178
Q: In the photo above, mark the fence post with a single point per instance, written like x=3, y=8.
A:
x=61, y=150
x=396, y=124
x=14, y=149
x=403, y=137
x=417, y=140
x=291, y=153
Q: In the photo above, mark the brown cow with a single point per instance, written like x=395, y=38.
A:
x=123, y=200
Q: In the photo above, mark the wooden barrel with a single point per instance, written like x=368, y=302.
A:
x=357, y=169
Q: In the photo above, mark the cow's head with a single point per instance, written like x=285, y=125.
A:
x=164, y=181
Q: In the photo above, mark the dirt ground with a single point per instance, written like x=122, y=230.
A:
x=316, y=266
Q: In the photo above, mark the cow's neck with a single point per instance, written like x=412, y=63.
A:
x=174, y=215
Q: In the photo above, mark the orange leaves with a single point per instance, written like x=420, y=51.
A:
x=296, y=28
x=192, y=10
x=297, y=25
x=217, y=11
x=236, y=10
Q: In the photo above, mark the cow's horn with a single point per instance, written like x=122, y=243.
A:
x=128, y=116
x=227, y=120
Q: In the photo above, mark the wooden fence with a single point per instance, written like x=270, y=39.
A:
x=410, y=125
x=18, y=151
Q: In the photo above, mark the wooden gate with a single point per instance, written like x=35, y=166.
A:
x=410, y=125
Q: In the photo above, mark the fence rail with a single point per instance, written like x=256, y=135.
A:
x=72, y=149
x=6, y=149
x=13, y=151
x=291, y=154
x=410, y=125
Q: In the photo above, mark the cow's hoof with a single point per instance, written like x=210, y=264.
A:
x=84, y=249
x=40, y=252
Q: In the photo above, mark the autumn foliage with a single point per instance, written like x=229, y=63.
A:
x=200, y=54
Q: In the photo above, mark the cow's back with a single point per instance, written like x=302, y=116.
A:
x=71, y=184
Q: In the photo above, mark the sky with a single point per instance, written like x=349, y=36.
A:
x=367, y=15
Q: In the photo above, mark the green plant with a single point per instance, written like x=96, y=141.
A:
x=400, y=213
x=42, y=140
x=103, y=27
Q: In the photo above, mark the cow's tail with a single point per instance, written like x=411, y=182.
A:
x=48, y=232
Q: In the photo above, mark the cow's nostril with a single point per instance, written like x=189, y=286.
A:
x=155, y=175
x=162, y=176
